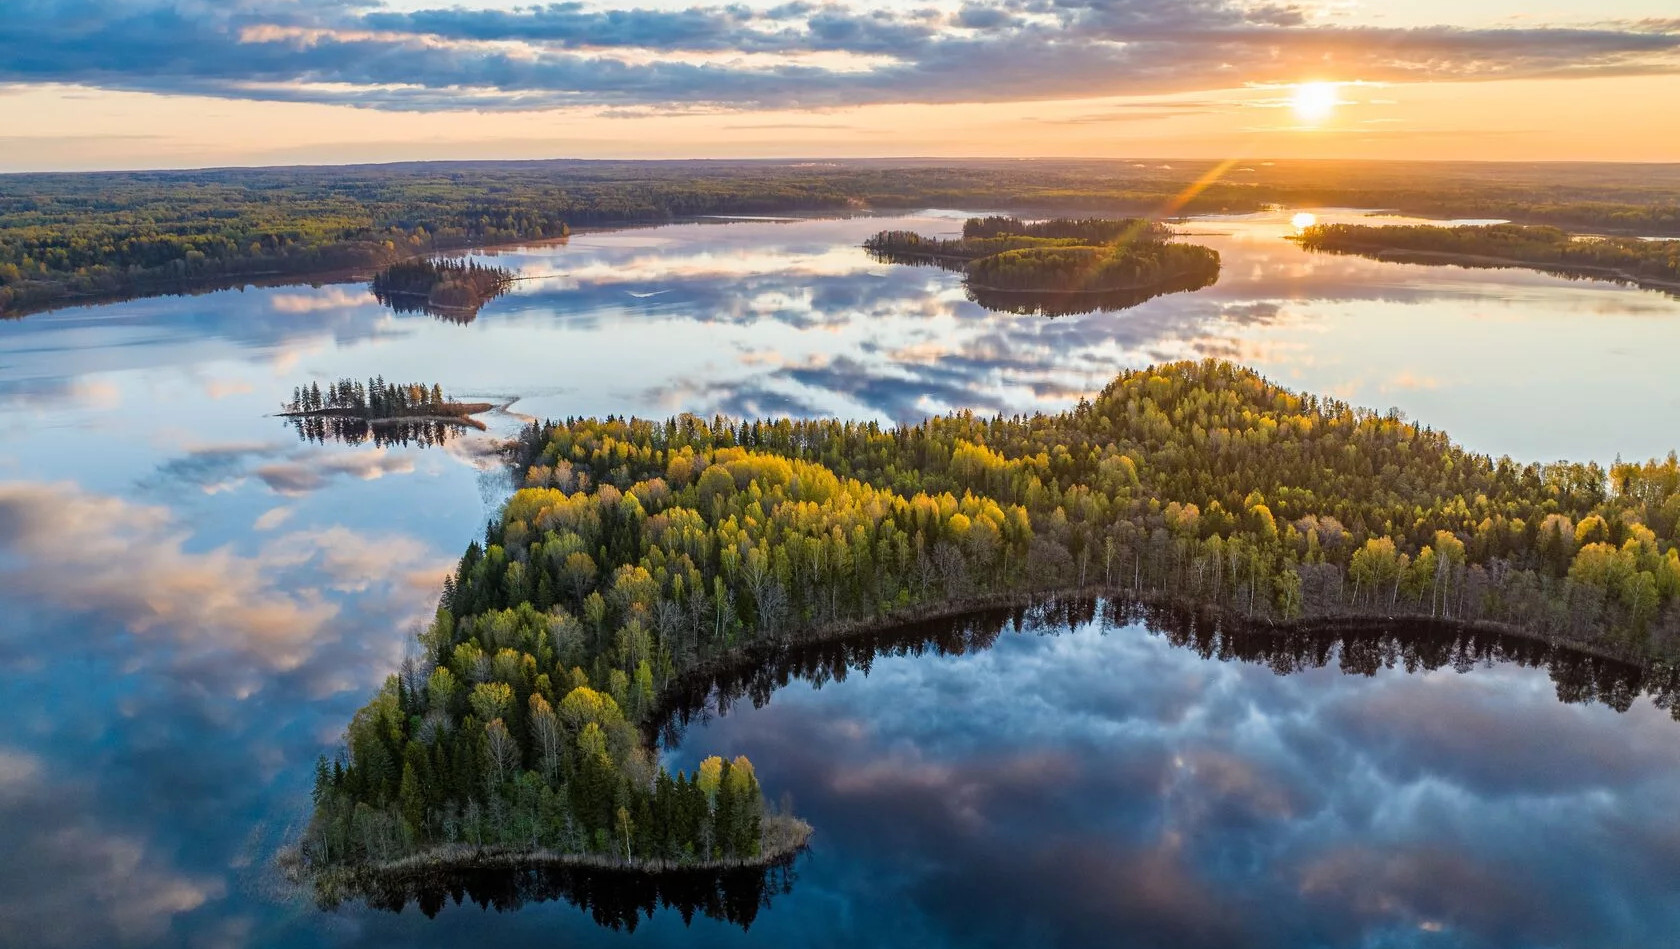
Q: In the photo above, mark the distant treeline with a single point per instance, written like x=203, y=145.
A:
x=911, y=247
x=1542, y=248
x=988, y=236
x=1046, y=266
x=75, y=237
x=431, y=284
x=1093, y=230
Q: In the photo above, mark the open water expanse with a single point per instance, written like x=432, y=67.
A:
x=194, y=601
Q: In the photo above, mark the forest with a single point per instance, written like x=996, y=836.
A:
x=639, y=554
x=1046, y=266
x=1650, y=263
x=74, y=238
x=443, y=286
x=1195, y=479
x=493, y=748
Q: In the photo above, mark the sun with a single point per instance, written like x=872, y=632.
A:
x=1303, y=220
x=1314, y=102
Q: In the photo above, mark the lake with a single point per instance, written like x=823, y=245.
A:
x=196, y=601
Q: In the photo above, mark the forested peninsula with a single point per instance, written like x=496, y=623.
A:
x=1650, y=264
x=640, y=555
x=86, y=237
x=1060, y=266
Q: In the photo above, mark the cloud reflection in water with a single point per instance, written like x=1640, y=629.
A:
x=1061, y=789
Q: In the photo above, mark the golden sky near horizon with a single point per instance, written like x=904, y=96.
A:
x=180, y=83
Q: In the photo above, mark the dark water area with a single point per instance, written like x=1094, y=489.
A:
x=194, y=601
x=620, y=901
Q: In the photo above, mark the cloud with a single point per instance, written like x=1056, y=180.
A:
x=1443, y=730
x=129, y=564
x=351, y=562
x=58, y=392
x=72, y=882
x=213, y=468
x=1426, y=884
x=796, y=55
x=223, y=467
x=222, y=388
x=271, y=518
x=18, y=773
x=132, y=569
x=81, y=140
x=1105, y=118
x=786, y=126
x=333, y=298
x=310, y=471
x=1408, y=380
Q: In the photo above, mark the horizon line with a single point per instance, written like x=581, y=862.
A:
x=813, y=159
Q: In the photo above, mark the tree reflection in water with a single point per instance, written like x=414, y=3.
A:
x=1052, y=302
x=404, y=304
x=1074, y=303
x=616, y=899
x=422, y=433
x=1358, y=648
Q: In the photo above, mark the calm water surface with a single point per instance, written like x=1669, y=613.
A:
x=193, y=602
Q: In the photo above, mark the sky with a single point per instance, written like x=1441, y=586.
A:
x=88, y=84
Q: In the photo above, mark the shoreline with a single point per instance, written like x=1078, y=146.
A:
x=344, y=275
x=464, y=418
x=330, y=276
x=783, y=838
x=1484, y=261
x=758, y=654
x=334, y=276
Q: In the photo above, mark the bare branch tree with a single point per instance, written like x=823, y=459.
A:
x=503, y=751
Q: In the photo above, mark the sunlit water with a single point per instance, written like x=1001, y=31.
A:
x=193, y=602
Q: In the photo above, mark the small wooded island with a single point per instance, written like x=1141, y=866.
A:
x=385, y=413
x=453, y=289
x=1649, y=264
x=640, y=555
x=1059, y=267
x=379, y=402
